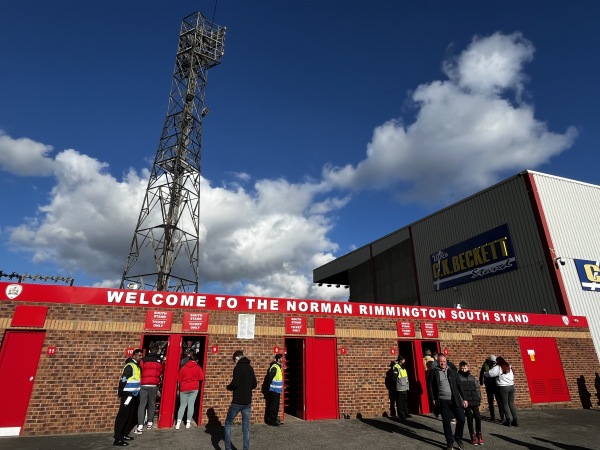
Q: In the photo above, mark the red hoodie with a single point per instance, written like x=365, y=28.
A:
x=190, y=376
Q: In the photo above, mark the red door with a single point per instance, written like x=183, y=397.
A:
x=19, y=359
x=544, y=371
x=321, y=379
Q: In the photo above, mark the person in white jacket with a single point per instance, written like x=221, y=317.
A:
x=506, y=388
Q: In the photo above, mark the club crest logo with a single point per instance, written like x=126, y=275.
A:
x=13, y=290
x=565, y=320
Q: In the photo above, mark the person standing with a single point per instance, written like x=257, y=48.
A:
x=189, y=380
x=390, y=384
x=443, y=388
x=427, y=360
x=242, y=384
x=129, y=389
x=491, y=388
x=402, y=386
x=152, y=369
x=472, y=392
x=271, y=388
x=506, y=388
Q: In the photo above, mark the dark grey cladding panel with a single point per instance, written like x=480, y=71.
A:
x=341, y=264
x=389, y=241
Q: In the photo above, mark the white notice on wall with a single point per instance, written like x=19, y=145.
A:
x=246, y=326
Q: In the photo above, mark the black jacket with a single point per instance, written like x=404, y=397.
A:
x=470, y=388
x=243, y=382
x=490, y=382
x=433, y=386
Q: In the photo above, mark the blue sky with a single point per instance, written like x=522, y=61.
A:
x=331, y=124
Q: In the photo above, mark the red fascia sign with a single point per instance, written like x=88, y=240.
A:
x=295, y=325
x=159, y=320
x=406, y=329
x=195, y=322
x=31, y=292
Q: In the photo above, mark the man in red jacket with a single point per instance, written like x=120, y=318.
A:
x=152, y=369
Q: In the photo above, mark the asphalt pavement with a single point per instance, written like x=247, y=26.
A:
x=552, y=429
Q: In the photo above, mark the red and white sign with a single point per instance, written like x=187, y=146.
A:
x=195, y=322
x=429, y=330
x=129, y=352
x=393, y=351
x=343, y=351
x=159, y=320
x=43, y=293
x=446, y=351
x=214, y=349
x=51, y=351
x=406, y=329
x=276, y=350
x=295, y=325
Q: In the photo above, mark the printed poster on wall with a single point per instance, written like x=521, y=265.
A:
x=429, y=330
x=295, y=325
x=246, y=326
x=195, y=322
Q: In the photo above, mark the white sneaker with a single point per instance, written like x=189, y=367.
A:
x=149, y=425
x=178, y=424
x=188, y=425
x=138, y=430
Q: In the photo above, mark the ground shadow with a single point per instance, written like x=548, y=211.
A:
x=391, y=426
x=584, y=395
x=565, y=446
x=520, y=443
x=214, y=428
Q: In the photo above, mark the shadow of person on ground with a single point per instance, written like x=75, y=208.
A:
x=394, y=427
x=520, y=443
x=214, y=428
x=561, y=445
x=584, y=395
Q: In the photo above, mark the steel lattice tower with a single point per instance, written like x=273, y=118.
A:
x=165, y=251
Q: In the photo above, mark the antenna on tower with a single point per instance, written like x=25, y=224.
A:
x=165, y=249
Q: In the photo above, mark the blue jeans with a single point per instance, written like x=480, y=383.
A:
x=234, y=409
x=447, y=410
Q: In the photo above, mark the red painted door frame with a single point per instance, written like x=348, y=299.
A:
x=19, y=359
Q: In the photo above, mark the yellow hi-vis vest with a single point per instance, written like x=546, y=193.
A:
x=402, y=380
x=277, y=383
x=133, y=384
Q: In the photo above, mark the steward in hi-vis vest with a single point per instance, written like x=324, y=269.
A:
x=129, y=387
x=271, y=388
x=401, y=388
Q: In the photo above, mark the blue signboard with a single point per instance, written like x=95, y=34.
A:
x=482, y=256
x=589, y=274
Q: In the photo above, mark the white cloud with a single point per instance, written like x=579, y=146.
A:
x=24, y=157
x=467, y=134
x=266, y=240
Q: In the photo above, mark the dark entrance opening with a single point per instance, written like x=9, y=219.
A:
x=294, y=378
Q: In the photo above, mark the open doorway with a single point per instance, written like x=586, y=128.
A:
x=293, y=378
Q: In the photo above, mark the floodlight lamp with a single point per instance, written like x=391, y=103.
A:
x=132, y=285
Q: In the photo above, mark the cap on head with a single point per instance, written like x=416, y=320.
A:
x=493, y=358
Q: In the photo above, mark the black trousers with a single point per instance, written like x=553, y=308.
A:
x=272, y=407
x=402, y=404
x=472, y=412
x=491, y=391
x=123, y=421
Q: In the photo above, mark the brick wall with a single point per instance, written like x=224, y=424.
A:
x=75, y=390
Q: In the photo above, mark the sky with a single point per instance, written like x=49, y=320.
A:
x=331, y=124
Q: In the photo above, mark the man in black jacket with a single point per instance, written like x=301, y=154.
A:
x=242, y=384
x=271, y=389
x=447, y=395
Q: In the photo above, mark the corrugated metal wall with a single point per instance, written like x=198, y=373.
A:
x=571, y=210
x=527, y=289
